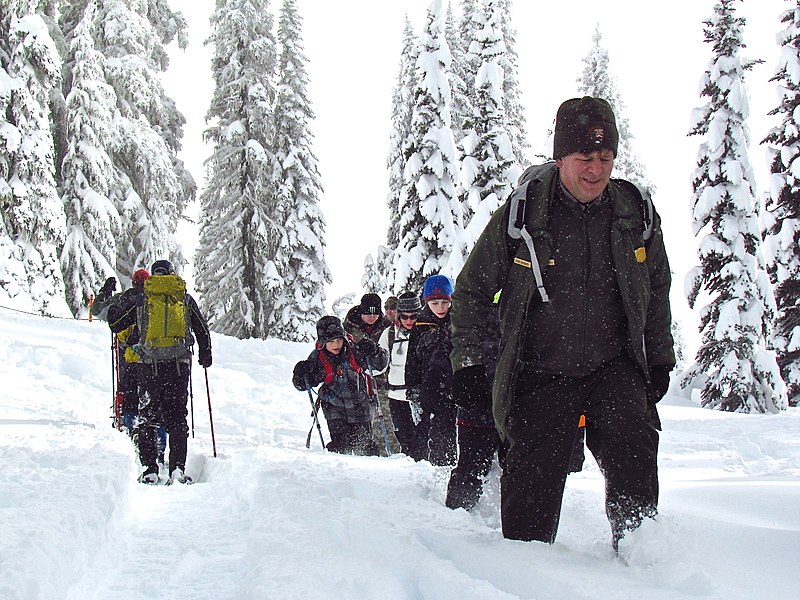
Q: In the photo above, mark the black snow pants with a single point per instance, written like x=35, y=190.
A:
x=163, y=397
x=351, y=438
x=542, y=426
x=477, y=446
x=408, y=433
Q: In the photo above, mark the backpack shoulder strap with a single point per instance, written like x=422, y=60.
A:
x=645, y=202
x=516, y=217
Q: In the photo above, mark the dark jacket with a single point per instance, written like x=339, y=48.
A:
x=358, y=329
x=345, y=391
x=499, y=261
x=122, y=314
x=428, y=365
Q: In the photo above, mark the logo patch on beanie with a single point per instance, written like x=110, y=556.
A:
x=596, y=135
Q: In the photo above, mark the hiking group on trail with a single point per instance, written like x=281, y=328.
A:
x=556, y=330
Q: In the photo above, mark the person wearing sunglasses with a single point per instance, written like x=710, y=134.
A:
x=405, y=416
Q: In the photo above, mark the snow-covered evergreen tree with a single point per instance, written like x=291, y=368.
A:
x=373, y=279
x=783, y=205
x=32, y=225
x=93, y=223
x=152, y=187
x=301, y=257
x=597, y=81
x=733, y=367
x=400, y=138
x=489, y=170
x=239, y=234
x=462, y=66
x=430, y=210
x=512, y=95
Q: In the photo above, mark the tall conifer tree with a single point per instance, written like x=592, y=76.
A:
x=489, y=170
x=431, y=213
x=783, y=205
x=301, y=256
x=235, y=265
x=399, y=144
x=597, y=81
x=512, y=95
x=152, y=187
x=32, y=223
x=733, y=368
x=93, y=222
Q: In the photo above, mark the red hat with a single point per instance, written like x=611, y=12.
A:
x=139, y=277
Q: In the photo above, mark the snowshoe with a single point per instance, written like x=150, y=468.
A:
x=179, y=476
x=150, y=477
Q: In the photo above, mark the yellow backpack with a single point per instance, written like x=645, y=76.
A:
x=164, y=327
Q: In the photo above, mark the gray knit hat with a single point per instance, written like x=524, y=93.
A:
x=409, y=303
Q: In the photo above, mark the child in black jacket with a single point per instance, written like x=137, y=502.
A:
x=429, y=376
x=346, y=394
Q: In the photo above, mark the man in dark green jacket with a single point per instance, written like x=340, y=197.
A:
x=585, y=324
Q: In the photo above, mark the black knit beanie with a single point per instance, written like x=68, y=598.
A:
x=329, y=328
x=585, y=125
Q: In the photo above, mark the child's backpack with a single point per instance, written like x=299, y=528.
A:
x=163, y=320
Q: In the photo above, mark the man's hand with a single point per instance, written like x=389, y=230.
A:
x=659, y=379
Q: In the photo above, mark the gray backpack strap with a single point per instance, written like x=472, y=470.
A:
x=516, y=219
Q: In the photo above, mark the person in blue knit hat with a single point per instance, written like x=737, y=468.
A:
x=429, y=376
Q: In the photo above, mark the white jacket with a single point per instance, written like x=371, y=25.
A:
x=397, y=360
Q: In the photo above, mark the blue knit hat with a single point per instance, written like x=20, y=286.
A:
x=437, y=287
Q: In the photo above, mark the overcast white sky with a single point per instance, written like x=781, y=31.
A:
x=353, y=47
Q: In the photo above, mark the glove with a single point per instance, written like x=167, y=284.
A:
x=366, y=347
x=412, y=395
x=659, y=380
x=108, y=288
x=300, y=375
x=471, y=389
x=204, y=358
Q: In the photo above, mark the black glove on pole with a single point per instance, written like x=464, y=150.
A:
x=366, y=347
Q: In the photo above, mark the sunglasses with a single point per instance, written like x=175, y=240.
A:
x=407, y=317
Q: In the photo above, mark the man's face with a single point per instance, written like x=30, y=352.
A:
x=370, y=319
x=391, y=314
x=586, y=175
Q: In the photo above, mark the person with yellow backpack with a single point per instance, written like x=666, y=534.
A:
x=166, y=317
x=126, y=361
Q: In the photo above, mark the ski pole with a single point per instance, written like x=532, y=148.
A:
x=113, y=380
x=191, y=397
x=119, y=395
x=380, y=411
x=210, y=418
x=316, y=420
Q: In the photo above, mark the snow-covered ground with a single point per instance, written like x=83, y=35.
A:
x=269, y=518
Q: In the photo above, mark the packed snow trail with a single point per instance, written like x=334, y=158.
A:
x=269, y=518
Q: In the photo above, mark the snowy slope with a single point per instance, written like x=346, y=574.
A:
x=270, y=519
